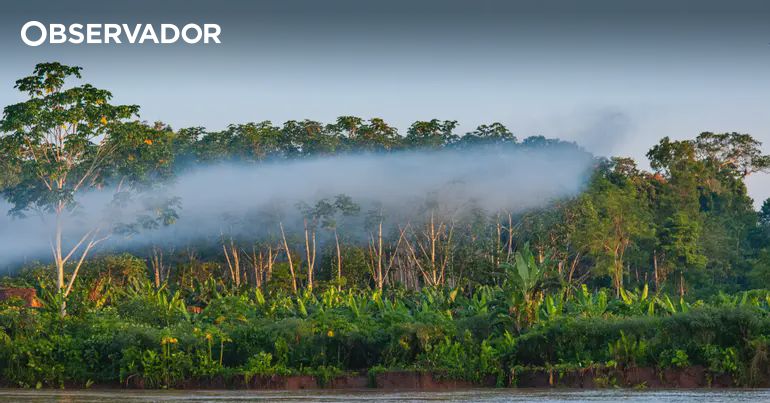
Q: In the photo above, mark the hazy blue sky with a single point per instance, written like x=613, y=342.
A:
x=613, y=75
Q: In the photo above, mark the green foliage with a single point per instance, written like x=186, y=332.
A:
x=722, y=360
x=628, y=351
x=674, y=358
x=237, y=335
x=524, y=283
x=324, y=374
x=640, y=268
x=262, y=364
x=77, y=115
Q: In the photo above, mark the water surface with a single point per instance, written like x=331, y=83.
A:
x=472, y=395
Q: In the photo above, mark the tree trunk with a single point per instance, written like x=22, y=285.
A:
x=310, y=252
x=57, y=253
x=380, y=280
x=655, y=269
x=339, y=259
x=510, y=238
x=88, y=239
x=291, y=264
x=433, y=268
x=156, y=262
x=496, y=256
x=232, y=257
x=259, y=267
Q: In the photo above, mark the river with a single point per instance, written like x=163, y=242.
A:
x=483, y=395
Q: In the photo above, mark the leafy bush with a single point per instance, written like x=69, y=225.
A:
x=262, y=365
x=629, y=351
x=145, y=336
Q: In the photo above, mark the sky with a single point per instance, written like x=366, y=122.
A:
x=615, y=76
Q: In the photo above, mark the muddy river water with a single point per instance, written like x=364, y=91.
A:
x=369, y=395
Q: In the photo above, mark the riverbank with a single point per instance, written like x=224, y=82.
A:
x=426, y=341
x=588, y=378
x=693, y=377
x=369, y=395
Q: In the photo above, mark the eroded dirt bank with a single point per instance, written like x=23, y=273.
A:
x=590, y=378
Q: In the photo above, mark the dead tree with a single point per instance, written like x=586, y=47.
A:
x=161, y=272
x=233, y=259
x=310, y=249
x=434, y=243
x=379, y=263
x=288, y=257
x=262, y=264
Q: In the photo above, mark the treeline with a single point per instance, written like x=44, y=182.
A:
x=687, y=227
x=639, y=269
x=173, y=151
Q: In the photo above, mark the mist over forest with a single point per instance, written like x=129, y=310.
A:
x=245, y=199
x=101, y=177
x=163, y=256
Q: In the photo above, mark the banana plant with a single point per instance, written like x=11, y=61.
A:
x=523, y=284
x=669, y=306
x=479, y=301
x=639, y=302
x=358, y=306
x=589, y=304
x=553, y=308
x=525, y=275
x=331, y=298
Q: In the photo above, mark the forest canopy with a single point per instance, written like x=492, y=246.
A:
x=618, y=242
x=688, y=225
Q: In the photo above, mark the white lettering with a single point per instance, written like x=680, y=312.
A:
x=187, y=38
x=148, y=34
x=93, y=31
x=38, y=25
x=212, y=32
x=76, y=30
x=56, y=33
x=164, y=28
x=112, y=31
x=131, y=35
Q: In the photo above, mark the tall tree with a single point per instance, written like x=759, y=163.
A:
x=62, y=139
x=613, y=218
x=496, y=133
x=431, y=134
x=737, y=152
x=343, y=205
x=679, y=241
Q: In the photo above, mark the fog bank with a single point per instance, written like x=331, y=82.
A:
x=252, y=199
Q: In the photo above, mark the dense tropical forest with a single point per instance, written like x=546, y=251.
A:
x=662, y=269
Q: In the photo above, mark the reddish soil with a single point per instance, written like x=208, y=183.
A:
x=684, y=378
x=417, y=380
x=588, y=378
